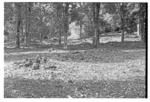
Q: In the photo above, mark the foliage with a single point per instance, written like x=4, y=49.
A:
x=47, y=18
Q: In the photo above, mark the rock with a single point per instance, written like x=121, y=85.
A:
x=81, y=58
x=53, y=67
x=38, y=59
x=21, y=65
x=35, y=66
x=75, y=52
x=70, y=81
x=28, y=63
x=51, y=49
x=50, y=67
x=26, y=59
x=44, y=59
x=53, y=75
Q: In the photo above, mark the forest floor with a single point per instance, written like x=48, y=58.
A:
x=112, y=70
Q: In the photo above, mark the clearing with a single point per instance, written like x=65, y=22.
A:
x=114, y=69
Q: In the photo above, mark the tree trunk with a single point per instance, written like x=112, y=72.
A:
x=122, y=35
x=66, y=26
x=138, y=29
x=93, y=8
x=96, y=7
x=29, y=20
x=60, y=36
x=143, y=21
x=80, y=29
x=122, y=30
x=142, y=29
x=18, y=7
x=41, y=37
x=18, y=35
x=59, y=23
x=26, y=25
x=138, y=26
x=122, y=21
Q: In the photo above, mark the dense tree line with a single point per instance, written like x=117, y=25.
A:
x=30, y=19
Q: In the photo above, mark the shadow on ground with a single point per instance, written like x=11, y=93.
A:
x=105, y=53
x=25, y=88
x=82, y=46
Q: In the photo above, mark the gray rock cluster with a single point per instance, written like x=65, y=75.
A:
x=36, y=63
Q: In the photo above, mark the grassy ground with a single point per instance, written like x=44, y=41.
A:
x=112, y=70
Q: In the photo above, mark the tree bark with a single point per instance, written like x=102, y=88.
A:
x=66, y=25
x=138, y=29
x=27, y=27
x=59, y=23
x=96, y=7
x=143, y=21
x=122, y=21
x=80, y=29
x=29, y=22
x=122, y=30
x=60, y=33
x=26, y=24
x=18, y=7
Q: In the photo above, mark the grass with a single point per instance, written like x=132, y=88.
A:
x=16, y=88
x=113, y=70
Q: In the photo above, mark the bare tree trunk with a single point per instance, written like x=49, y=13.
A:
x=60, y=36
x=41, y=37
x=122, y=21
x=93, y=8
x=80, y=29
x=138, y=30
x=59, y=25
x=97, y=23
x=26, y=24
x=122, y=35
x=142, y=29
x=138, y=26
x=27, y=27
x=66, y=26
x=18, y=7
x=29, y=20
x=143, y=21
x=122, y=30
x=96, y=7
x=18, y=35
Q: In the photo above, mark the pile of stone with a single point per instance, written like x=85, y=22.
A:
x=36, y=63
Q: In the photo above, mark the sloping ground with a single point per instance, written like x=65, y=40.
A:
x=81, y=71
x=113, y=70
x=103, y=72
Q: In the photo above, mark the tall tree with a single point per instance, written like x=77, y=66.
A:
x=27, y=30
x=66, y=23
x=18, y=21
x=96, y=7
x=81, y=14
x=59, y=15
x=122, y=18
x=121, y=9
x=143, y=21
